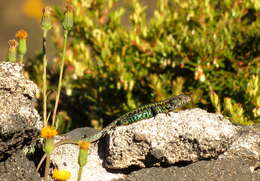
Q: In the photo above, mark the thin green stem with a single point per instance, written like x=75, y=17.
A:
x=60, y=78
x=21, y=58
x=47, y=166
x=79, y=173
x=44, y=78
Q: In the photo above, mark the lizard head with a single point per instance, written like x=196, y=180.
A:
x=178, y=101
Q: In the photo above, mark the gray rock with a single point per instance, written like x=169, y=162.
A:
x=18, y=167
x=235, y=169
x=66, y=157
x=182, y=139
x=247, y=145
x=19, y=120
x=17, y=100
x=187, y=136
x=240, y=163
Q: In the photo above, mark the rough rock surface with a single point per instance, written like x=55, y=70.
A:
x=241, y=162
x=19, y=121
x=236, y=169
x=247, y=145
x=186, y=136
x=18, y=168
x=204, y=139
x=66, y=157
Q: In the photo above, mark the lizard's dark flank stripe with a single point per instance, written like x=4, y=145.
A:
x=144, y=112
x=151, y=110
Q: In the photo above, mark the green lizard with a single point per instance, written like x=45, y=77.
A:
x=144, y=112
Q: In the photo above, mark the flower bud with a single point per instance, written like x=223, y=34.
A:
x=12, y=50
x=68, y=18
x=46, y=19
x=22, y=38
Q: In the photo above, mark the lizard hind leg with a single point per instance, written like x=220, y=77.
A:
x=155, y=111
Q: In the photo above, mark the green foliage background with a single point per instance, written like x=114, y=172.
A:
x=209, y=49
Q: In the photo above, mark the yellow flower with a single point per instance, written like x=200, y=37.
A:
x=61, y=175
x=48, y=132
x=84, y=145
x=21, y=34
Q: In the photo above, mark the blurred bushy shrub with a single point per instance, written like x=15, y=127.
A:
x=208, y=48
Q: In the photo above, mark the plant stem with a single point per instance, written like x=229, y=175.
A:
x=47, y=165
x=21, y=58
x=40, y=163
x=79, y=173
x=60, y=78
x=44, y=78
